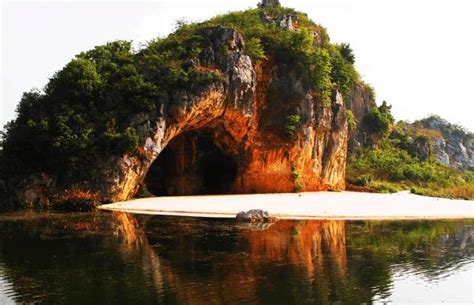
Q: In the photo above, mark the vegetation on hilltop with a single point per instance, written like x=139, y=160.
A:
x=391, y=164
x=325, y=65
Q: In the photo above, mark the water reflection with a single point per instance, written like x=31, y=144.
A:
x=121, y=259
x=132, y=237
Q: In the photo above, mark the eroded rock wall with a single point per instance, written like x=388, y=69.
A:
x=450, y=144
x=246, y=112
x=360, y=103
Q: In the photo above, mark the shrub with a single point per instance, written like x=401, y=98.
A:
x=371, y=92
x=346, y=52
x=363, y=180
x=129, y=140
x=386, y=187
x=254, y=49
x=291, y=123
x=296, y=178
x=343, y=73
x=379, y=121
x=321, y=77
x=351, y=120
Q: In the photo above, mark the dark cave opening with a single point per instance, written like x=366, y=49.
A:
x=217, y=172
x=192, y=164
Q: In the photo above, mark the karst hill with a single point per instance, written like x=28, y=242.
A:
x=248, y=102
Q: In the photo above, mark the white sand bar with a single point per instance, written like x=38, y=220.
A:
x=314, y=205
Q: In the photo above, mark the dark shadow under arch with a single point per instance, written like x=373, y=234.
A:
x=192, y=164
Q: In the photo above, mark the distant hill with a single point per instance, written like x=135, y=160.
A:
x=450, y=144
x=430, y=156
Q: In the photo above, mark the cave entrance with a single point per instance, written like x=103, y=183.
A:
x=192, y=164
x=217, y=172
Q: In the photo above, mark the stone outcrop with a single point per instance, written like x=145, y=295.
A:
x=285, y=21
x=270, y=3
x=449, y=144
x=229, y=137
x=361, y=101
x=255, y=216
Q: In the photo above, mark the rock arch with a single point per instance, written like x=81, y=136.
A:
x=245, y=113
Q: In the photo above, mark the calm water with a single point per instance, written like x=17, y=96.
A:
x=100, y=258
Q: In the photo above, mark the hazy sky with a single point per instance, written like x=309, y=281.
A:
x=418, y=54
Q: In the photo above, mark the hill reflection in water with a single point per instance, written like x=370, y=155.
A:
x=122, y=259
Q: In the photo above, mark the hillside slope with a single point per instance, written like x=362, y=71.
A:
x=429, y=157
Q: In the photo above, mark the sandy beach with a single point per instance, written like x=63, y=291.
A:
x=311, y=205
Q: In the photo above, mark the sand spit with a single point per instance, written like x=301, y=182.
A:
x=311, y=205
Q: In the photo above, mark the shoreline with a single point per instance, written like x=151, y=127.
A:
x=309, y=205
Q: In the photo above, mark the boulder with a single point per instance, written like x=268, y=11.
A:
x=255, y=216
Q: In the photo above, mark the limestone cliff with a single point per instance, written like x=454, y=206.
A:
x=361, y=101
x=242, y=117
x=258, y=127
x=447, y=143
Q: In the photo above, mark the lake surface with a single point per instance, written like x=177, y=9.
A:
x=104, y=258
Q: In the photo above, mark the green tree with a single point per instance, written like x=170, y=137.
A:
x=255, y=49
x=346, y=52
x=379, y=121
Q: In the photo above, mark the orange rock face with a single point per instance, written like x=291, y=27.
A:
x=261, y=155
x=260, y=128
